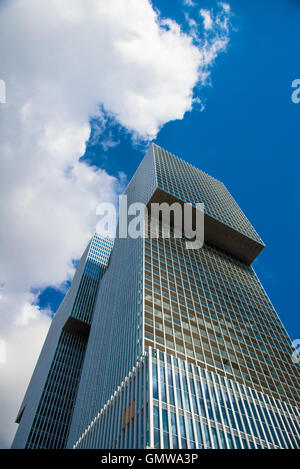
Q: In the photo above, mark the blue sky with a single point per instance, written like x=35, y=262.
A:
x=247, y=136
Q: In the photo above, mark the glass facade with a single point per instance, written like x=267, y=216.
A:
x=187, y=183
x=46, y=411
x=206, y=306
x=185, y=349
x=195, y=408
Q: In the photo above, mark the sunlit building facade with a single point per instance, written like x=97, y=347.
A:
x=185, y=349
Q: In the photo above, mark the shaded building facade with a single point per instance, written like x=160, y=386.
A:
x=45, y=413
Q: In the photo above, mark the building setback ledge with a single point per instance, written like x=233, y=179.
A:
x=217, y=233
x=77, y=327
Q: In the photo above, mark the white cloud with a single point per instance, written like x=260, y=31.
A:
x=226, y=6
x=212, y=40
x=63, y=61
x=189, y=3
x=207, y=20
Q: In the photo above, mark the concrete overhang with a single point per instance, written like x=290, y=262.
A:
x=217, y=233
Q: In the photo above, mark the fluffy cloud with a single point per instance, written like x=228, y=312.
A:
x=208, y=23
x=63, y=61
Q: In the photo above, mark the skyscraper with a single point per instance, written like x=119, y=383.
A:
x=185, y=349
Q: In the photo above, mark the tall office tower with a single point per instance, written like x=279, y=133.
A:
x=45, y=414
x=185, y=349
